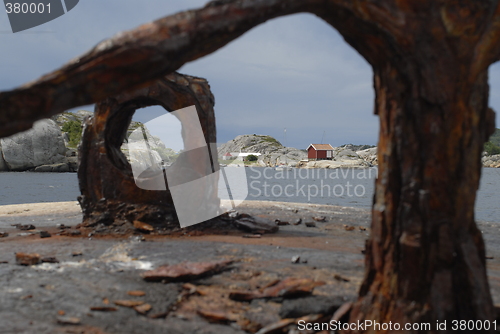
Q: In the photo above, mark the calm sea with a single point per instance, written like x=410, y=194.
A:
x=343, y=187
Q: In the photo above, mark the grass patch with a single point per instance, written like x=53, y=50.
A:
x=74, y=130
x=492, y=147
x=271, y=140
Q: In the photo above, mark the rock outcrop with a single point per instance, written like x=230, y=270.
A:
x=492, y=161
x=141, y=153
x=369, y=155
x=158, y=149
x=271, y=150
x=41, y=145
x=66, y=117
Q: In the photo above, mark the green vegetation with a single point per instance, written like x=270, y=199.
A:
x=252, y=157
x=270, y=140
x=493, y=146
x=491, y=149
x=74, y=130
x=495, y=138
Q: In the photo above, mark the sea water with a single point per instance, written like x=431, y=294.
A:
x=342, y=187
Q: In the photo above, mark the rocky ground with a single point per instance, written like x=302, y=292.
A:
x=239, y=282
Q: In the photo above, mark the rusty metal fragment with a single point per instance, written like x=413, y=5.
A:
x=342, y=312
x=26, y=259
x=217, y=316
x=64, y=320
x=143, y=308
x=136, y=293
x=185, y=271
x=288, y=288
x=143, y=226
x=25, y=227
x=103, y=309
x=128, y=303
x=254, y=224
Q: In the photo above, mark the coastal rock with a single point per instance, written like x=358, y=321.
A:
x=66, y=139
x=369, y=155
x=73, y=164
x=271, y=150
x=492, y=161
x=342, y=153
x=41, y=145
x=54, y=168
x=347, y=163
x=3, y=164
x=250, y=143
x=78, y=116
x=289, y=156
x=139, y=155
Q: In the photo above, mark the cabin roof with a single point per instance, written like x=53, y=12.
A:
x=321, y=147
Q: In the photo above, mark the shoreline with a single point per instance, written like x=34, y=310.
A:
x=73, y=207
x=40, y=208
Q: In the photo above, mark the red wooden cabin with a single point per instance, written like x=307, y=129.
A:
x=320, y=152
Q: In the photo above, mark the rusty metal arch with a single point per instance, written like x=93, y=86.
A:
x=109, y=192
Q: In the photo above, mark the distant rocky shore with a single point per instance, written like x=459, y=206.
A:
x=273, y=153
x=44, y=148
x=47, y=148
x=51, y=145
x=40, y=149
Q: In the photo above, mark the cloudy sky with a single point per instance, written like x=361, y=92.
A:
x=294, y=72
